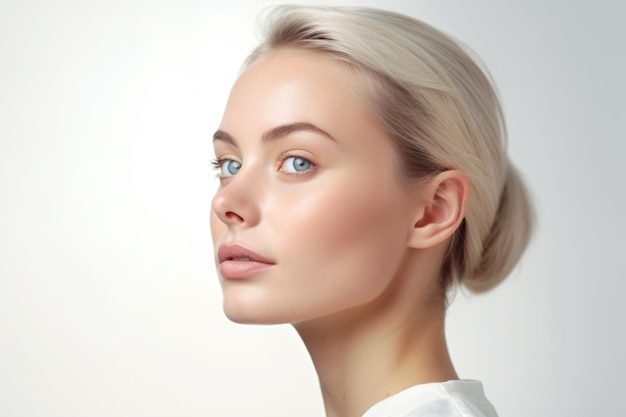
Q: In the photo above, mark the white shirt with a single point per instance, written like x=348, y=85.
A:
x=463, y=398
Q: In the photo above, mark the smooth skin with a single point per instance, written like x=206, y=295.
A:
x=311, y=181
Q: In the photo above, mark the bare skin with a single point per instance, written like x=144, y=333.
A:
x=371, y=353
x=346, y=252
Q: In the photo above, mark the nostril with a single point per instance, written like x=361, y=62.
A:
x=234, y=216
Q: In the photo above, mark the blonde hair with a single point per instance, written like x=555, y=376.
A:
x=441, y=111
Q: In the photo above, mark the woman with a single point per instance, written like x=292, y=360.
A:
x=363, y=173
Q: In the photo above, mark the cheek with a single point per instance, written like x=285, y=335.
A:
x=346, y=242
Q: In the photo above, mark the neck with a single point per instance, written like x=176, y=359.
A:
x=371, y=352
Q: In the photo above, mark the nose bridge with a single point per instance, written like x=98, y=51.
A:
x=237, y=201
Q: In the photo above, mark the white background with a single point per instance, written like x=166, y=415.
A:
x=109, y=305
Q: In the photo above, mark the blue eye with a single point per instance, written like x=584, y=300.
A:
x=296, y=165
x=229, y=167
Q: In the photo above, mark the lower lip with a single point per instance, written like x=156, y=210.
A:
x=242, y=269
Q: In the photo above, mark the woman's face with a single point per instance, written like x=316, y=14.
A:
x=310, y=218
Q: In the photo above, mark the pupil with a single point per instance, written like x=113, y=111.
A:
x=301, y=164
x=233, y=167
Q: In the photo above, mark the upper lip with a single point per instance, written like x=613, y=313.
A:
x=229, y=251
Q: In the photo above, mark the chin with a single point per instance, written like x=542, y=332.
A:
x=241, y=317
x=255, y=304
x=251, y=318
x=249, y=313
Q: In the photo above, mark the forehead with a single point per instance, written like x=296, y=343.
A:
x=290, y=85
x=288, y=64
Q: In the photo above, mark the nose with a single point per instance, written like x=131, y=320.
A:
x=236, y=203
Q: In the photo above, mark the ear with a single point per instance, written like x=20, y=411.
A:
x=444, y=199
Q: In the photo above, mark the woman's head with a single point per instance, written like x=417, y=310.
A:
x=347, y=150
x=441, y=112
x=310, y=218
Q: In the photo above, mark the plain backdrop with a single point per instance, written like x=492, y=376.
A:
x=109, y=304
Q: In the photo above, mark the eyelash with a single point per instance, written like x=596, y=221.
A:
x=218, y=162
x=290, y=154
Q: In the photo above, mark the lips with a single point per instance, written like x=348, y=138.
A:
x=239, y=262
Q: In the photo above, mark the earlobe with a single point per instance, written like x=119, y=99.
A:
x=445, y=199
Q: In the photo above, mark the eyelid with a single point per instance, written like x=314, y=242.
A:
x=218, y=164
x=219, y=161
x=295, y=154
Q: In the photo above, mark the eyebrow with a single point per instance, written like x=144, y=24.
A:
x=277, y=132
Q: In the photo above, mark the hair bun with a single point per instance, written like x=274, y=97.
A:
x=508, y=237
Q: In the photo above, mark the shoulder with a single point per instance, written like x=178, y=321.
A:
x=443, y=399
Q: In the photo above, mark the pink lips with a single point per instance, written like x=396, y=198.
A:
x=238, y=262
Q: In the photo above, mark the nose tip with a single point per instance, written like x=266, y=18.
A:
x=234, y=206
x=225, y=211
